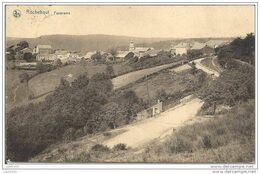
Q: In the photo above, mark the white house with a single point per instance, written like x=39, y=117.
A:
x=181, y=48
x=46, y=57
x=63, y=55
x=43, y=49
x=138, y=50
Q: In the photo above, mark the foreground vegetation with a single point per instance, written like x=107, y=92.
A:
x=217, y=140
x=85, y=106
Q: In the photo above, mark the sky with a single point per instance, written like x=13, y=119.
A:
x=138, y=21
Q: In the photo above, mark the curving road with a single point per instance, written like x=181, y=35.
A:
x=204, y=68
x=142, y=133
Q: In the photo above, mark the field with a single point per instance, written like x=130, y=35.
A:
x=44, y=83
x=165, y=80
x=131, y=77
x=122, y=68
x=47, y=82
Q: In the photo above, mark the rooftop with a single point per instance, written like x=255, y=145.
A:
x=44, y=46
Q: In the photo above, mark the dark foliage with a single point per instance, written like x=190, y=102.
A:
x=41, y=67
x=162, y=58
x=231, y=87
x=237, y=83
x=119, y=147
x=82, y=107
x=29, y=57
x=110, y=71
x=97, y=58
x=239, y=49
x=100, y=148
x=194, y=54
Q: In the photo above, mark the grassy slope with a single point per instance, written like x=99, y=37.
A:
x=132, y=77
x=46, y=82
x=122, y=68
x=163, y=81
x=12, y=84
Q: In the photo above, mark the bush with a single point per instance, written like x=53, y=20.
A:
x=207, y=141
x=233, y=86
x=241, y=49
x=100, y=148
x=119, y=147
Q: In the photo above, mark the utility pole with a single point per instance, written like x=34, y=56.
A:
x=147, y=88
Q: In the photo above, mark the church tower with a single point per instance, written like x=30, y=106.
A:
x=131, y=46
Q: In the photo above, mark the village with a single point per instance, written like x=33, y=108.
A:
x=47, y=55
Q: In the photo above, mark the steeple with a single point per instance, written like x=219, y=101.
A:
x=131, y=46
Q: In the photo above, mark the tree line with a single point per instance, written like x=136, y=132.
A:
x=236, y=83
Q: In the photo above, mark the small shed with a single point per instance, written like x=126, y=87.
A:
x=151, y=112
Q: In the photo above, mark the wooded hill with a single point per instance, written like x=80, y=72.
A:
x=84, y=43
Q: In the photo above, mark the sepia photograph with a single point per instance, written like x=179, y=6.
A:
x=129, y=83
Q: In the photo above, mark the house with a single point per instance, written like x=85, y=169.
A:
x=152, y=53
x=214, y=43
x=46, y=57
x=43, y=49
x=181, y=48
x=61, y=52
x=89, y=55
x=139, y=51
x=75, y=57
x=108, y=57
x=63, y=55
x=121, y=55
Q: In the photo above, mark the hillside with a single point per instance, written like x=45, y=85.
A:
x=83, y=42
x=86, y=43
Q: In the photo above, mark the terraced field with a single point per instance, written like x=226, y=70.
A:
x=125, y=79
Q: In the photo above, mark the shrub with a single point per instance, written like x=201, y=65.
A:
x=180, y=144
x=100, y=148
x=207, y=141
x=119, y=147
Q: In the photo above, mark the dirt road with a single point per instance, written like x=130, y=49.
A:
x=142, y=133
x=205, y=69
